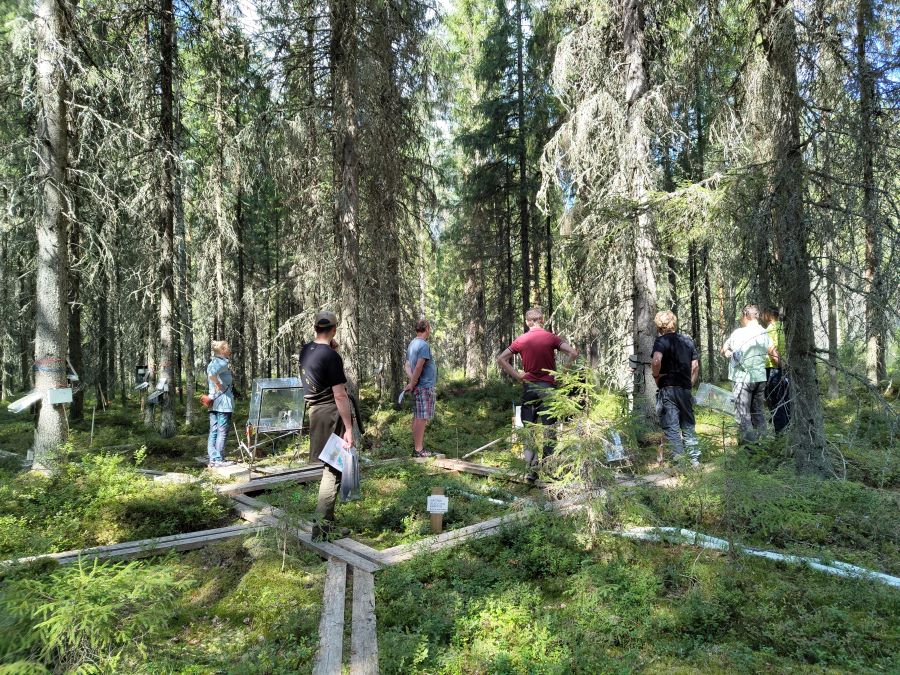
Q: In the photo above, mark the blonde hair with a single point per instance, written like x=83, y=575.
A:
x=666, y=322
x=218, y=346
x=534, y=315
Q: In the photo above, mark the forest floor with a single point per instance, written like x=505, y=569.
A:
x=551, y=595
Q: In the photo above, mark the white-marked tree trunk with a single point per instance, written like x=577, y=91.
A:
x=51, y=333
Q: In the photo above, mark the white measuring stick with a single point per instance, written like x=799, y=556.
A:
x=484, y=447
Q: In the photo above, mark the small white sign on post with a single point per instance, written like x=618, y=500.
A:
x=438, y=504
x=59, y=396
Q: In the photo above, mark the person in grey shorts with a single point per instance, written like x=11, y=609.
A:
x=676, y=366
x=747, y=349
x=328, y=408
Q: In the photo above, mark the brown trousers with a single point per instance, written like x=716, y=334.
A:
x=325, y=420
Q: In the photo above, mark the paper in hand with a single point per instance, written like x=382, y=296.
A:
x=331, y=453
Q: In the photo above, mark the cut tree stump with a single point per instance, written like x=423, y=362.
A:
x=331, y=623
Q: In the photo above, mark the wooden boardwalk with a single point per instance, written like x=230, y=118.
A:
x=347, y=559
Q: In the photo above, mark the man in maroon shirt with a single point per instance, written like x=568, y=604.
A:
x=538, y=348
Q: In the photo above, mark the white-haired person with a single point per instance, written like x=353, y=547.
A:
x=676, y=366
x=221, y=391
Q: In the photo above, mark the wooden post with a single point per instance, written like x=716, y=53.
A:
x=437, y=519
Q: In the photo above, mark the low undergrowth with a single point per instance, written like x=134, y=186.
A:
x=467, y=415
x=236, y=607
x=541, y=598
x=392, y=508
x=91, y=500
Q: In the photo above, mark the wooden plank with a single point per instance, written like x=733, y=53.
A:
x=359, y=549
x=363, y=637
x=270, y=515
x=483, y=470
x=268, y=509
x=487, y=528
x=329, y=550
x=397, y=554
x=268, y=482
x=278, y=470
x=331, y=623
x=144, y=547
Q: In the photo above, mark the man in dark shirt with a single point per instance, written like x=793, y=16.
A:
x=676, y=367
x=538, y=348
x=328, y=409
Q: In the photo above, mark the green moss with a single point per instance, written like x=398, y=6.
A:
x=99, y=499
x=615, y=606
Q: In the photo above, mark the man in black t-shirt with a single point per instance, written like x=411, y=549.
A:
x=676, y=367
x=328, y=408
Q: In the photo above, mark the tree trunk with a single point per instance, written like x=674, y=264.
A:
x=25, y=299
x=643, y=278
x=343, y=52
x=523, y=162
x=548, y=267
x=831, y=292
x=152, y=342
x=219, y=329
x=76, y=353
x=166, y=222
x=5, y=273
x=101, y=378
x=710, y=336
x=695, y=292
x=240, y=330
x=475, y=320
x=186, y=325
x=875, y=343
x=51, y=335
x=790, y=238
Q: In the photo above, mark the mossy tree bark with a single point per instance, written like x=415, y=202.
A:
x=343, y=53
x=790, y=238
x=867, y=132
x=166, y=216
x=643, y=277
x=51, y=334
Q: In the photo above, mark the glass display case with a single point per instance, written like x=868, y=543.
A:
x=715, y=397
x=276, y=405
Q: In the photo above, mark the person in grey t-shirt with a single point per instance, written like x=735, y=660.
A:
x=422, y=375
